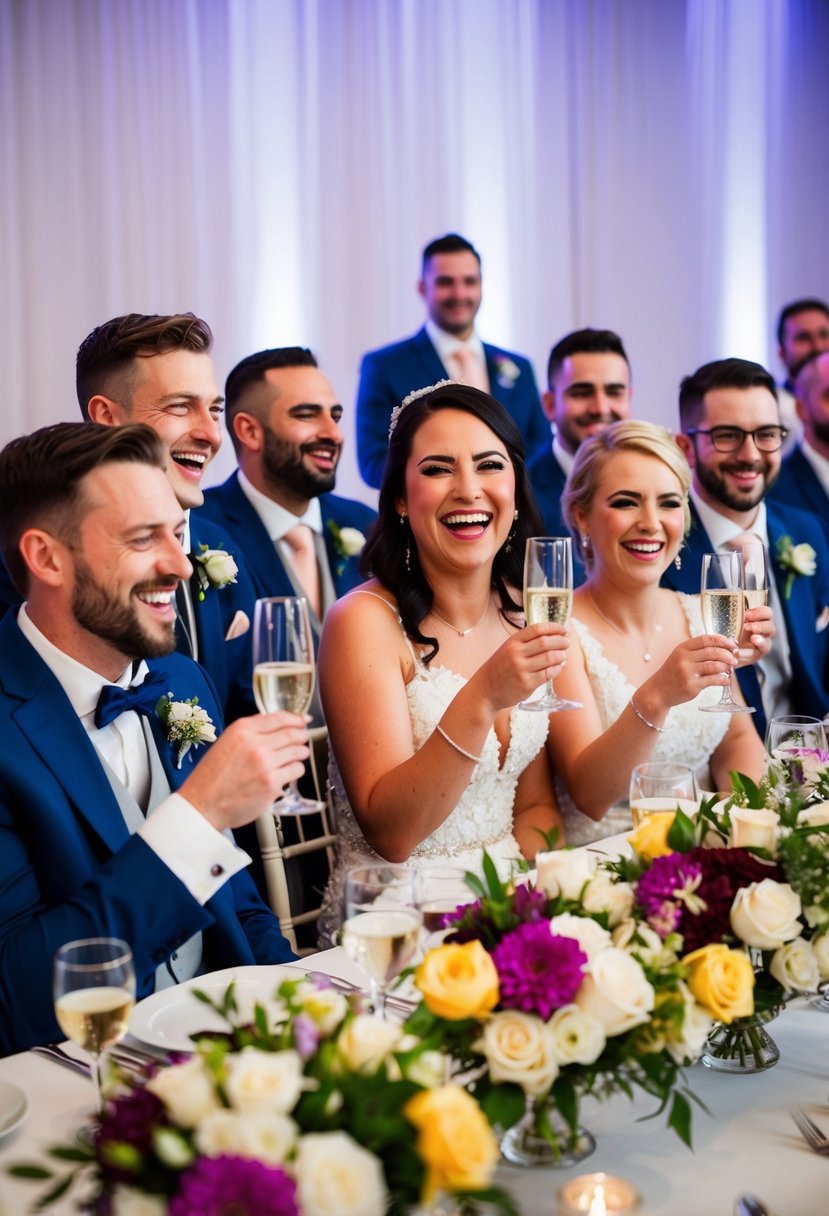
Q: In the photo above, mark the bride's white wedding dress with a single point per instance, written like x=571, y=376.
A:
x=481, y=820
x=690, y=737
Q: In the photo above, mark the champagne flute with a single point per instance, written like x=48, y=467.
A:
x=661, y=786
x=283, y=673
x=93, y=985
x=755, y=573
x=382, y=924
x=723, y=607
x=548, y=596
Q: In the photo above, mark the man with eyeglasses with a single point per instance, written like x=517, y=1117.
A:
x=732, y=437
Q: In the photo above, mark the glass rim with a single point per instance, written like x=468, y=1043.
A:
x=124, y=956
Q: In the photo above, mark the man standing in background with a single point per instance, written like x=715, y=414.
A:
x=804, y=474
x=802, y=331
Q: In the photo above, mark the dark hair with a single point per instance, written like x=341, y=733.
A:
x=584, y=342
x=808, y=304
x=251, y=370
x=451, y=243
x=384, y=555
x=41, y=479
x=105, y=359
x=722, y=373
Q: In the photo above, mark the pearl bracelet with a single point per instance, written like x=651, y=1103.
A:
x=651, y=725
x=457, y=746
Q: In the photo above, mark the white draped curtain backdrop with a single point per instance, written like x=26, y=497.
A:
x=654, y=166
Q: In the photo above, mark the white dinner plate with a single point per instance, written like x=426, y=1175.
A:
x=168, y=1018
x=13, y=1107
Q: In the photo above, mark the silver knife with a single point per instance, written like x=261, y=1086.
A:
x=51, y=1051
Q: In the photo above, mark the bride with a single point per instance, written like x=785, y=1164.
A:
x=422, y=667
x=640, y=662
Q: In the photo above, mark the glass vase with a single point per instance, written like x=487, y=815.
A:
x=743, y=1046
x=542, y=1137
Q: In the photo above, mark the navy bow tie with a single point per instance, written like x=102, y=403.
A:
x=143, y=698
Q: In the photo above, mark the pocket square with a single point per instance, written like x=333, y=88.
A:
x=239, y=625
x=822, y=621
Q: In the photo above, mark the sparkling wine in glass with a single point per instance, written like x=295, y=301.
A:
x=548, y=596
x=661, y=786
x=381, y=929
x=441, y=890
x=93, y=985
x=283, y=673
x=722, y=594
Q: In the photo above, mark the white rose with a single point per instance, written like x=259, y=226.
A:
x=324, y=1006
x=337, y=1177
x=802, y=559
x=428, y=1069
x=820, y=949
x=179, y=711
x=264, y=1081
x=764, y=914
x=814, y=816
x=366, y=1042
x=564, y=872
x=616, y=992
x=187, y=1091
x=582, y=929
x=756, y=829
x=604, y=894
x=639, y=939
x=351, y=541
x=687, y=1041
x=127, y=1202
x=519, y=1048
x=264, y=1137
x=578, y=1038
x=219, y=566
x=795, y=967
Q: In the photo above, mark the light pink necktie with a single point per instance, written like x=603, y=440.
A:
x=469, y=370
x=304, y=560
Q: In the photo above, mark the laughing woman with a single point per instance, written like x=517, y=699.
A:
x=421, y=668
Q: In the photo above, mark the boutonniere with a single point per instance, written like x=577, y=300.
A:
x=794, y=560
x=214, y=568
x=185, y=723
x=348, y=542
x=506, y=371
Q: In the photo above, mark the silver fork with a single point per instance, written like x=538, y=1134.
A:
x=810, y=1131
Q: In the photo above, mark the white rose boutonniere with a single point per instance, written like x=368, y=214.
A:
x=507, y=371
x=186, y=724
x=215, y=568
x=794, y=561
x=348, y=542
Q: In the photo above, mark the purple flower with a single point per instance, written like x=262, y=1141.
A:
x=234, y=1186
x=657, y=891
x=306, y=1035
x=537, y=971
x=529, y=904
x=128, y=1119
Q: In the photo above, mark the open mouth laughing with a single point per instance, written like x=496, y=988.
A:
x=191, y=463
x=467, y=525
x=643, y=550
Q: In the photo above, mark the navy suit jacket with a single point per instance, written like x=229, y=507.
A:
x=799, y=486
x=548, y=479
x=229, y=508
x=391, y=373
x=808, y=648
x=69, y=867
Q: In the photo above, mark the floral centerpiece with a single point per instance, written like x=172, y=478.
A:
x=312, y=1109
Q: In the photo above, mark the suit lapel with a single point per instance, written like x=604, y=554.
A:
x=260, y=554
x=429, y=359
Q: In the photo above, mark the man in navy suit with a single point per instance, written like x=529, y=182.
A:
x=588, y=388
x=91, y=534
x=804, y=473
x=802, y=331
x=447, y=346
x=732, y=436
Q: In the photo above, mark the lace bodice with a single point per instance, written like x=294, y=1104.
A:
x=690, y=737
x=482, y=818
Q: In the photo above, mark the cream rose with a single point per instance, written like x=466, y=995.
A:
x=564, y=872
x=765, y=914
x=265, y=1137
x=366, y=1042
x=428, y=1068
x=686, y=1041
x=588, y=933
x=264, y=1081
x=820, y=949
x=604, y=894
x=755, y=829
x=519, y=1047
x=815, y=816
x=127, y=1202
x=351, y=541
x=578, y=1037
x=643, y=942
x=338, y=1177
x=187, y=1091
x=616, y=992
x=219, y=567
x=795, y=967
x=324, y=1006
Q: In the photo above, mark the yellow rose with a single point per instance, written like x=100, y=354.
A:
x=458, y=981
x=454, y=1139
x=650, y=839
x=722, y=980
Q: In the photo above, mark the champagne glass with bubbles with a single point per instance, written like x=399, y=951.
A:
x=93, y=985
x=723, y=607
x=381, y=929
x=548, y=596
x=283, y=673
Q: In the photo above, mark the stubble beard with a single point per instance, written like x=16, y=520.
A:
x=98, y=612
x=283, y=467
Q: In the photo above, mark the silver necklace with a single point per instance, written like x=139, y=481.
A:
x=462, y=633
x=647, y=657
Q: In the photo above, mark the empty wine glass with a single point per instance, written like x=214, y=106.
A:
x=283, y=673
x=548, y=596
x=661, y=786
x=382, y=924
x=723, y=607
x=93, y=985
x=795, y=736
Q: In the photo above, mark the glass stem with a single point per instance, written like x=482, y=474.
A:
x=378, y=998
x=96, y=1083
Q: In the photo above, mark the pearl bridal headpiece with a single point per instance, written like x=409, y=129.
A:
x=413, y=396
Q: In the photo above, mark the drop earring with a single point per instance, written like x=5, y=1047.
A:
x=408, y=557
x=678, y=561
x=511, y=537
x=585, y=542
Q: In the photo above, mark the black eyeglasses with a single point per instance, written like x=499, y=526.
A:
x=732, y=438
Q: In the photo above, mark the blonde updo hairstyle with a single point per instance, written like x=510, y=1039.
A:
x=593, y=455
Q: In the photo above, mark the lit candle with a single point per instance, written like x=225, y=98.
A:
x=597, y=1195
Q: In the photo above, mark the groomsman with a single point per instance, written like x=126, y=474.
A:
x=802, y=331
x=732, y=437
x=804, y=473
x=114, y=815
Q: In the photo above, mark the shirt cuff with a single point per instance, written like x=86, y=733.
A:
x=199, y=856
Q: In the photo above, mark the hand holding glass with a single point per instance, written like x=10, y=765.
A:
x=381, y=929
x=283, y=673
x=548, y=596
x=661, y=786
x=722, y=594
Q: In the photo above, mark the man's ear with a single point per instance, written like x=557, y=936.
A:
x=105, y=411
x=46, y=557
x=685, y=445
x=249, y=431
x=548, y=404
